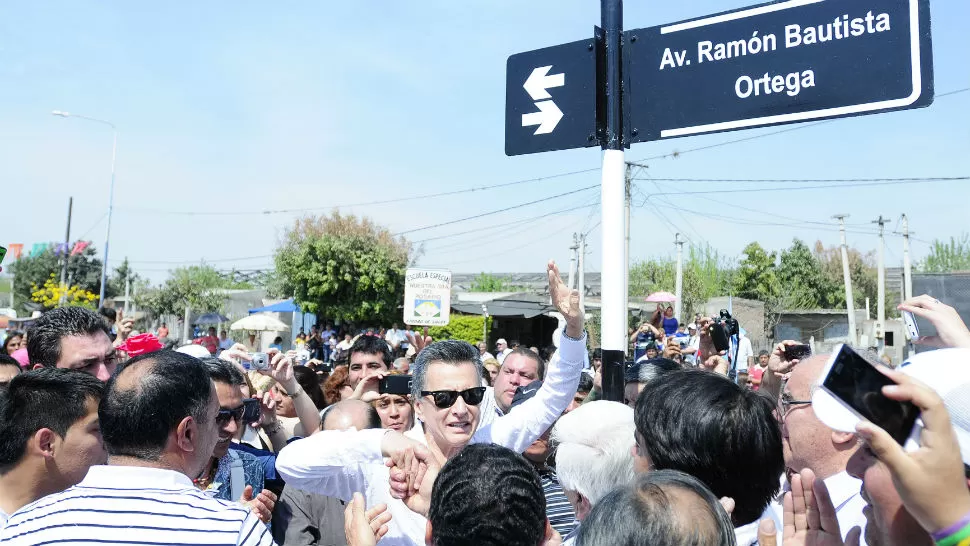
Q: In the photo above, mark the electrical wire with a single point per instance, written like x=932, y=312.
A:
x=794, y=188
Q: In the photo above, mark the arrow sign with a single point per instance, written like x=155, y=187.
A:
x=539, y=81
x=546, y=118
x=533, y=122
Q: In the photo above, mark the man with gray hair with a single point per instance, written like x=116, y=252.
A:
x=594, y=454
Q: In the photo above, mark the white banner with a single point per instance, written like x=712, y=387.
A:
x=427, y=297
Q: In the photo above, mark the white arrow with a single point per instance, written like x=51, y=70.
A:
x=537, y=82
x=546, y=118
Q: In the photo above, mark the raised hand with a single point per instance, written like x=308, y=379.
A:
x=413, y=471
x=931, y=479
x=365, y=527
x=810, y=518
x=261, y=505
x=777, y=363
x=565, y=301
x=950, y=329
x=419, y=341
x=281, y=369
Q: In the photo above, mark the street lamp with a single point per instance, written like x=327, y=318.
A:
x=111, y=192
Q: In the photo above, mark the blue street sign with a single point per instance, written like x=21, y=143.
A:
x=782, y=62
x=550, y=99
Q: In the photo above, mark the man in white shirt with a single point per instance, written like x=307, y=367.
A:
x=745, y=352
x=501, y=350
x=49, y=426
x=158, y=421
x=395, y=337
x=808, y=443
x=453, y=409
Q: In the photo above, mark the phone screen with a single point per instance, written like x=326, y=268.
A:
x=395, y=384
x=857, y=383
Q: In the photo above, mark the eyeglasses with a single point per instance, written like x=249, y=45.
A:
x=224, y=415
x=785, y=402
x=446, y=399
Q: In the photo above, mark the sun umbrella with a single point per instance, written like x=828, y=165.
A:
x=661, y=297
x=259, y=323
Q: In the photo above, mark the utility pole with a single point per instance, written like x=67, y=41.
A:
x=907, y=267
x=626, y=270
x=572, y=261
x=847, y=279
x=881, y=292
x=582, y=273
x=679, y=283
x=67, y=253
x=127, y=284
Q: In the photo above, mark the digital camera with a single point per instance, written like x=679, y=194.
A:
x=722, y=328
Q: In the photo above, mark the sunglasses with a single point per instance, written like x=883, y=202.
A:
x=224, y=415
x=446, y=399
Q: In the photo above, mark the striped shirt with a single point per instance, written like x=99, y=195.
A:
x=134, y=506
x=558, y=510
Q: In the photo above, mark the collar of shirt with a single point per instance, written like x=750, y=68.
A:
x=842, y=489
x=124, y=477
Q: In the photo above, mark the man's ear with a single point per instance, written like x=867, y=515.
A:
x=427, y=534
x=843, y=439
x=37, y=366
x=43, y=442
x=187, y=434
x=549, y=535
x=583, y=506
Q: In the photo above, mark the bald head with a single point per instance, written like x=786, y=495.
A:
x=805, y=376
x=350, y=414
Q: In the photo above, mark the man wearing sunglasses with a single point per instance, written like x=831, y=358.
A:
x=231, y=474
x=446, y=387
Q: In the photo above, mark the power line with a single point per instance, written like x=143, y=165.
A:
x=809, y=180
x=513, y=207
x=793, y=188
x=516, y=222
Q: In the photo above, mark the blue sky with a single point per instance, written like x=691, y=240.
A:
x=246, y=106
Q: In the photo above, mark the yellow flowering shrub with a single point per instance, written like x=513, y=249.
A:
x=50, y=294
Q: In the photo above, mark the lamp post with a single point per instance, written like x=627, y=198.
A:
x=111, y=193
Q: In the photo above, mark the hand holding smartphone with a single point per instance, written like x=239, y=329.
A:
x=851, y=390
x=395, y=384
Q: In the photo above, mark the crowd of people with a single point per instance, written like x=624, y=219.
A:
x=393, y=438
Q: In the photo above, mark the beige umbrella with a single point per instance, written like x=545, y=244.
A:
x=259, y=323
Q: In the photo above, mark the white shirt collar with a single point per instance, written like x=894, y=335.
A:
x=125, y=477
x=842, y=488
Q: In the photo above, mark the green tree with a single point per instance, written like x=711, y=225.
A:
x=945, y=257
x=706, y=275
x=485, y=282
x=83, y=271
x=862, y=272
x=464, y=327
x=756, y=277
x=344, y=268
x=802, y=280
x=199, y=287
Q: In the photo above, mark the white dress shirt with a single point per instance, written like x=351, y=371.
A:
x=340, y=463
x=844, y=490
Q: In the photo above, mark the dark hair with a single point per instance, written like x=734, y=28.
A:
x=308, y=380
x=449, y=351
x=44, y=336
x=646, y=512
x=108, y=313
x=372, y=345
x=487, y=495
x=7, y=360
x=222, y=371
x=527, y=352
x=44, y=398
x=723, y=434
x=585, y=383
x=278, y=340
x=655, y=367
x=136, y=419
x=514, y=343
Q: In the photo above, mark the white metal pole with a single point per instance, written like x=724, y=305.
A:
x=111, y=204
x=907, y=266
x=881, y=289
x=847, y=279
x=679, y=282
x=614, y=260
x=572, y=262
x=581, y=277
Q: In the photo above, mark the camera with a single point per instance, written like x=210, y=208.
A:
x=259, y=361
x=722, y=328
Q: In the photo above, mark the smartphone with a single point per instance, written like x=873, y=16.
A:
x=911, y=327
x=395, y=384
x=857, y=385
x=250, y=410
x=799, y=352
